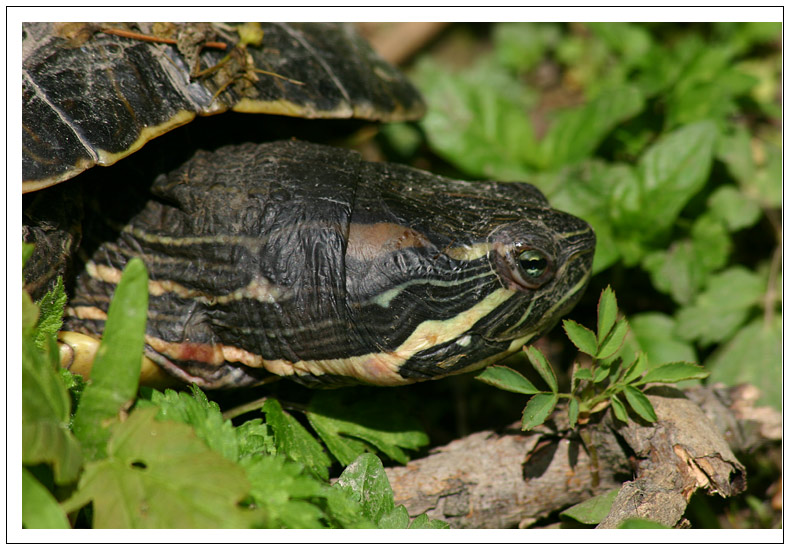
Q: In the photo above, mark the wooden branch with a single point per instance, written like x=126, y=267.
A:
x=509, y=479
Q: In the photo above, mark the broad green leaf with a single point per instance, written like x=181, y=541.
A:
x=593, y=510
x=203, y=415
x=654, y=334
x=51, y=313
x=366, y=479
x=573, y=411
x=583, y=374
x=619, y=409
x=754, y=356
x=282, y=491
x=160, y=475
x=507, y=379
x=640, y=403
x=40, y=510
x=294, y=441
x=116, y=369
x=538, y=409
x=582, y=337
x=732, y=207
x=397, y=518
x=601, y=374
x=674, y=372
x=255, y=437
x=607, y=313
x=543, y=367
x=614, y=341
x=722, y=308
x=45, y=413
x=631, y=41
x=520, y=46
x=639, y=523
x=345, y=421
x=424, y=522
x=577, y=132
x=734, y=149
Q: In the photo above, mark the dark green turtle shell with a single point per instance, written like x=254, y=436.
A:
x=89, y=97
x=305, y=261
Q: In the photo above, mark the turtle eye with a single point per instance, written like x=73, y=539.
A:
x=533, y=263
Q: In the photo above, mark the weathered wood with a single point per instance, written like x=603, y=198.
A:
x=512, y=478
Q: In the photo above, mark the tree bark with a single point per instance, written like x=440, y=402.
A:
x=514, y=479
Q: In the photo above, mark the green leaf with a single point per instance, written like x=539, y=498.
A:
x=51, y=313
x=636, y=368
x=640, y=403
x=601, y=374
x=116, y=370
x=734, y=208
x=45, y=413
x=593, y=510
x=614, y=341
x=366, y=479
x=294, y=441
x=40, y=510
x=639, y=523
x=345, y=419
x=283, y=492
x=160, y=475
x=507, y=379
x=735, y=151
x=424, y=522
x=607, y=313
x=578, y=131
x=753, y=356
x=722, y=308
x=520, y=46
x=654, y=333
x=583, y=374
x=397, y=518
x=203, y=415
x=619, y=409
x=674, y=372
x=582, y=337
x=538, y=409
x=543, y=367
x=27, y=251
x=573, y=411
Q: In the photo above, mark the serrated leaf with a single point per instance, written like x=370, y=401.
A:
x=507, y=379
x=116, y=369
x=203, y=415
x=674, y=372
x=635, y=369
x=607, y=313
x=614, y=341
x=593, y=510
x=40, y=510
x=45, y=414
x=573, y=411
x=397, y=518
x=601, y=374
x=160, y=475
x=366, y=479
x=538, y=409
x=640, y=403
x=283, y=492
x=582, y=337
x=51, y=313
x=619, y=409
x=345, y=421
x=424, y=522
x=294, y=441
x=543, y=367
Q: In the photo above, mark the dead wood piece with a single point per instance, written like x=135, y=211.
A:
x=501, y=480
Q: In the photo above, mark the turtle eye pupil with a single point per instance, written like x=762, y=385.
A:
x=533, y=263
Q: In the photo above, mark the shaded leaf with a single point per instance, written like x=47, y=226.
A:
x=538, y=409
x=619, y=409
x=636, y=368
x=583, y=374
x=294, y=441
x=40, y=510
x=593, y=510
x=543, y=367
x=640, y=403
x=607, y=313
x=366, y=479
x=507, y=379
x=573, y=411
x=734, y=208
x=601, y=374
x=51, y=313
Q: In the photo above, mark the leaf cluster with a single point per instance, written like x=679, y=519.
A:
x=100, y=454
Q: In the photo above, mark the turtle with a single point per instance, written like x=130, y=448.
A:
x=306, y=261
